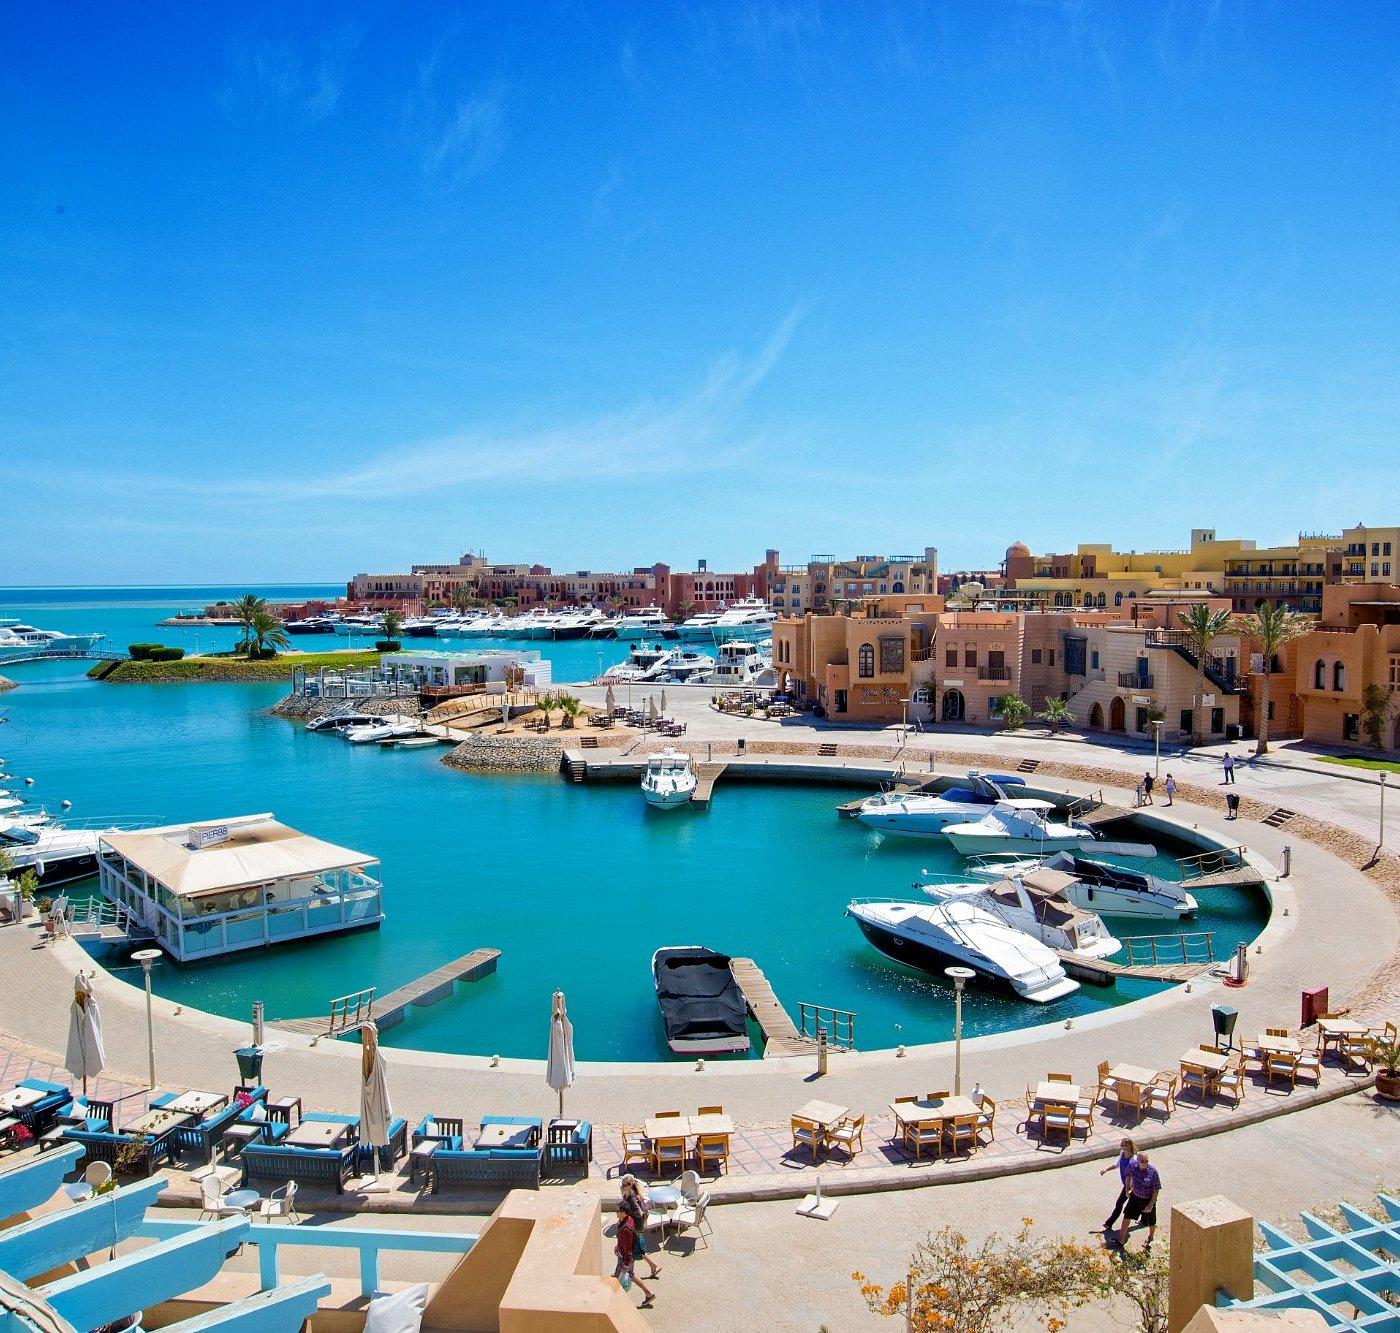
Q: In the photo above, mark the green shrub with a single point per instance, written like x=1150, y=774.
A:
x=162, y=654
x=387, y=646
x=141, y=652
x=265, y=654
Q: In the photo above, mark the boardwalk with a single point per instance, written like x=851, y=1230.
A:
x=707, y=773
x=780, y=1034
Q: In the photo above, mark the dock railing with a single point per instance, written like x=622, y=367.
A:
x=1081, y=805
x=349, y=1011
x=1187, y=948
x=838, y=1024
x=1209, y=863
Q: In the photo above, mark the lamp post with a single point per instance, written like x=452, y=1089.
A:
x=1157, y=748
x=961, y=976
x=146, y=957
x=1381, y=841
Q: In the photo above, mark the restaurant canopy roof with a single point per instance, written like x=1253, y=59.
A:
x=190, y=859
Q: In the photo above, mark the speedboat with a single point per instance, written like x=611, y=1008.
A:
x=340, y=721
x=701, y=1003
x=639, y=624
x=55, y=854
x=380, y=730
x=748, y=618
x=930, y=936
x=18, y=640
x=1100, y=886
x=9, y=800
x=1037, y=903
x=669, y=780
x=1012, y=825
x=924, y=815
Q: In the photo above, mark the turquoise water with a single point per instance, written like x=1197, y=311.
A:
x=576, y=885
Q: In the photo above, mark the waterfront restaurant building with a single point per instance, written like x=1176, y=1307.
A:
x=214, y=888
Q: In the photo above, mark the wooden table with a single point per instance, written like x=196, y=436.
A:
x=18, y=1098
x=688, y=1126
x=420, y=1160
x=504, y=1136
x=826, y=1114
x=281, y=1108
x=317, y=1134
x=1280, y=1045
x=1057, y=1092
x=1215, y=1061
x=943, y=1108
x=1126, y=1073
x=158, y=1120
x=197, y=1103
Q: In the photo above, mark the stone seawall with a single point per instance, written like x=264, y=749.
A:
x=303, y=708
x=7, y=684
x=508, y=754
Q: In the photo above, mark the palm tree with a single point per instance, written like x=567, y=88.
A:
x=265, y=633
x=1057, y=713
x=1201, y=627
x=569, y=705
x=391, y=622
x=244, y=609
x=685, y=608
x=1272, y=628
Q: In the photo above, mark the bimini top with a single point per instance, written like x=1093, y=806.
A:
x=190, y=859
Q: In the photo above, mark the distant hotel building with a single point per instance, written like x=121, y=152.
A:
x=823, y=582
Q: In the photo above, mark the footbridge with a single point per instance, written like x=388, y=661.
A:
x=18, y=656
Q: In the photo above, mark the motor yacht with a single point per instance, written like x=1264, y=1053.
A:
x=18, y=641
x=424, y=627
x=642, y=623
x=645, y=661
x=740, y=662
x=748, y=618
x=577, y=623
x=701, y=1004
x=360, y=624
x=312, y=625
x=700, y=626
x=494, y=622
x=669, y=780
x=1037, y=903
x=1017, y=824
x=930, y=936
x=1100, y=886
x=684, y=665
x=382, y=729
x=926, y=815
x=55, y=854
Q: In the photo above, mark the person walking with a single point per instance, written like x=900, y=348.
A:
x=1228, y=764
x=637, y=1206
x=1127, y=1155
x=1143, y=1185
x=1170, y=787
x=1147, y=781
x=625, y=1248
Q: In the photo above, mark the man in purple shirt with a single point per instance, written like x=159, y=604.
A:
x=1143, y=1185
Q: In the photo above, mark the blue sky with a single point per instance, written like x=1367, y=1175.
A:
x=296, y=290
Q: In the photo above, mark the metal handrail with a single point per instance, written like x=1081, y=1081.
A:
x=349, y=1011
x=1182, y=949
x=838, y=1024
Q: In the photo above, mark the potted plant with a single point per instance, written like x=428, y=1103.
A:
x=27, y=883
x=1386, y=1053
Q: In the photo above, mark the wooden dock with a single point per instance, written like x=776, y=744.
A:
x=1240, y=876
x=393, y=1008
x=707, y=773
x=1104, y=972
x=1099, y=814
x=780, y=1034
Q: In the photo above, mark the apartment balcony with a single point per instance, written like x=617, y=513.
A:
x=922, y=654
x=1133, y=680
x=993, y=673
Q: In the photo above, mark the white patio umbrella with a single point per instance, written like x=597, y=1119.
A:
x=375, y=1110
x=651, y=707
x=610, y=699
x=559, y=1072
x=663, y=701
x=85, y=1057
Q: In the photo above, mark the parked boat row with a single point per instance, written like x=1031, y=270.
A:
x=18, y=641
x=736, y=662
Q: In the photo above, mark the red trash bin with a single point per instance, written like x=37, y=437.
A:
x=1314, y=1004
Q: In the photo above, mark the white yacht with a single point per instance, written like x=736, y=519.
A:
x=641, y=623
x=18, y=641
x=1036, y=902
x=740, y=662
x=1016, y=825
x=10, y=800
x=360, y=624
x=576, y=623
x=381, y=729
x=669, y=780
x=55, y=854
x=926, y=815
x=343, y=721
x=748, y=618
x=700, y=626
x=1100, y=886
x=645, y=661
x=930, y=936
x=682, y=665
x=494, y=622
x=312, y=625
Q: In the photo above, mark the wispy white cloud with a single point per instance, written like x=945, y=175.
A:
x=469, y=142
x=268, y=77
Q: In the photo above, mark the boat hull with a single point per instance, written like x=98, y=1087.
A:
x=1118, y=902
x=667, y=800
x=980, y=844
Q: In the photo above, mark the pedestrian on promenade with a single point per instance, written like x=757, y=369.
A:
x=625, y=1249
x=1127, y=1155
x=1144, y=1185
x=1228, y=764
x=1170, y=786
x=637, y=1206
x=1147, y=781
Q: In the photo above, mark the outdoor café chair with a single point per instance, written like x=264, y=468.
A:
x=1105, y=1082
x=1197, y=1079
x=1084, y=1116
x=1162, y=1092
x=1252, y=1056
x=961, y=1133
x=636, y=1147
x=1034, y=1110
x=712, y=1148
x=693, y=1216
x=1059, y=1078
x=1310, y=1066
x=936, y=1096
x=1275, y=1032
x=1232, y=1082
x=987, y=1118
x=905, y=1127
x=1277, y=1064
x=667, y=1152
x=281, y=1203
x=1058, y=1118
x=1132, y=1097
x=849, y=1135
x=807, y=1134
x=927, y=1134
x=1357, y=1050
x=710, y=1110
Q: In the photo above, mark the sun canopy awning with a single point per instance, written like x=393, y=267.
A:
x=255, y=850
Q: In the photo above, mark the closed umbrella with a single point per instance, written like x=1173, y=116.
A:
x=610, y=700
x=663, y=701
x=651, y=707
x=559, y=1073
x=85, y=1057
x=375, y=1111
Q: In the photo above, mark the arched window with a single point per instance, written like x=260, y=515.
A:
x=1101, y=600
x=1088, y=600
x=865, y=660
x=1320, y=675
x=1118, y=599
x=897, y=587
x=1339, y=677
